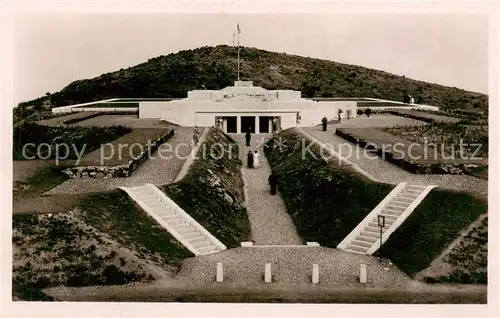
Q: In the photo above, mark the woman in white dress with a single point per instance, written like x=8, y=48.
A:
x=256, y=159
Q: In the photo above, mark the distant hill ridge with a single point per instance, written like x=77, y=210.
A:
x=174, y=74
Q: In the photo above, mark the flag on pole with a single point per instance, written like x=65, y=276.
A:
x=238, y=28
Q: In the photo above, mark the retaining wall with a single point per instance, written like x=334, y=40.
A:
x=119, y=171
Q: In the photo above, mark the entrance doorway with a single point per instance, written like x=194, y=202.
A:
x=248, y=124
x=265, y=124
x=230, y=124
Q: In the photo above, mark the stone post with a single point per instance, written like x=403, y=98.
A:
x=267, y=273
x=362, y=273
x=220, y=273
x=315, y=274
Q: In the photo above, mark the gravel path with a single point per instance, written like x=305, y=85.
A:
x=156, y=170
x=269, y=219
x=389, y=173
x=292, y=266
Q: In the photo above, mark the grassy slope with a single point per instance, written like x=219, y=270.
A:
x=212, y=192
x=107, y=241
x=73, y=137
x=434, y=224
x=215, y=67
x=326, y=201
x=44, y=179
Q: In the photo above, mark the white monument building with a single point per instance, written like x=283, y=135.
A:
x=244, y=107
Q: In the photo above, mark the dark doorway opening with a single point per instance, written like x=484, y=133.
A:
x=264, y=123
x=248, y=124
x=231, y=124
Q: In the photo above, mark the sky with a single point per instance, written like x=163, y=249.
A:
x=52, y=49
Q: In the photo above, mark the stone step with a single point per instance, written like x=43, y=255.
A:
x=165, y=214
x=357, y=248
x=415, y=186
x=177, y=222
x=206, y=249
x=395, y=208
x=412, y=191
x=357, y=242
x=372, y=229
x=395, y=202
x=403, y=199
x=194, y=237
x=410, y=196
x=354, y=251
x=180, y=226
x=186, y=230
x=391, y=212
x=369, y=239
x=173, y=217
x=389, y=216
x=200, y=244
x=370, y=234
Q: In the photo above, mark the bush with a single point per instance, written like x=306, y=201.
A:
x=360, y=112
x=368, y=111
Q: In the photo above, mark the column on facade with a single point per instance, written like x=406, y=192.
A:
x=238, y=124
x=257, y=121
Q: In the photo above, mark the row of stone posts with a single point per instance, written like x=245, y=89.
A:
x=314, y=277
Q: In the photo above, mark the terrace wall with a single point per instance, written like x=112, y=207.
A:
x=120, y=171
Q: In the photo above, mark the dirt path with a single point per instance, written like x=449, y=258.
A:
x=270, y=222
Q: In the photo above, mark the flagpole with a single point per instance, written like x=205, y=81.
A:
x=238, y=31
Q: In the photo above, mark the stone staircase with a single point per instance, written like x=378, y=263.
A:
x=395, y=207
x=174, y=219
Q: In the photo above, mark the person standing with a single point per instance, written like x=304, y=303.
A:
x=248, y=136
x=256, y=159
x=273, y=182
x=324, y=121
x=250, y=159
x=196, y=136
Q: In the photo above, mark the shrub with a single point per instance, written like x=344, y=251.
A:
x=368, y=111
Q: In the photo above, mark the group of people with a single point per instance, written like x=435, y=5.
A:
x=253, y=159
x=254, y=163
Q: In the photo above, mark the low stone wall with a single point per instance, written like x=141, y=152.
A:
x=415, y=167
x=119, y=171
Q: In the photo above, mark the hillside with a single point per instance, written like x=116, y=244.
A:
x=174, y=74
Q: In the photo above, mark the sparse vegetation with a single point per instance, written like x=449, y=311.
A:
x=107, y=240
x=434, y=224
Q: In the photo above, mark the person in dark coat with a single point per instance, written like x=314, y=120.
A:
x=324, y=121
x=250, y=159
x=273, y=182
x=248, y=136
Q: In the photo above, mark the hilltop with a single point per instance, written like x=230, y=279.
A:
x=174, y=74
